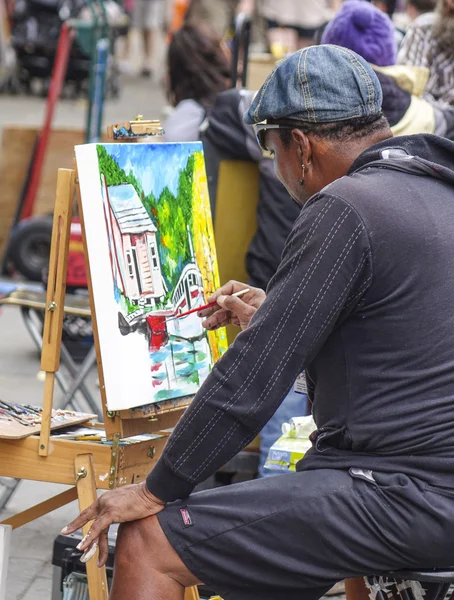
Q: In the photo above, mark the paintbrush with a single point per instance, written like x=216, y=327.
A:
x=205, y=306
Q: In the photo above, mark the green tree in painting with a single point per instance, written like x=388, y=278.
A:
x=185, y=187
x=113, y=173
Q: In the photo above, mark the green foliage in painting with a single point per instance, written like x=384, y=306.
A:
x=112, y=172
x=172, y=215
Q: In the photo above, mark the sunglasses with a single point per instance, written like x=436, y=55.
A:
x=261, y=128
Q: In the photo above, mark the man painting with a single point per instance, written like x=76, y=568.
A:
x=363, y=300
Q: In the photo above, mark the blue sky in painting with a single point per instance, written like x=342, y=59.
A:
x=154, y=165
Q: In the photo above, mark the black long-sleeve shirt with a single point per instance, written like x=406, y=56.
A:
x=363, y=300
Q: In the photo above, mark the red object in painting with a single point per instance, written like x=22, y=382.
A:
x=158, y=329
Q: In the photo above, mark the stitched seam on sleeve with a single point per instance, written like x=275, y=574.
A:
x=366, y=232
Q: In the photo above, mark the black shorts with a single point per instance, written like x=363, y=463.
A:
x=294, y=536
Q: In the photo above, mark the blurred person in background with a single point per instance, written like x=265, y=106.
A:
x=148, y=17
x=219, y=13
x=363, y=28
x=386, y=6
x=430, y=43
x=416, y=8
x=198, y=68
x=293, y=24
x=389, y=8
x=123, y=37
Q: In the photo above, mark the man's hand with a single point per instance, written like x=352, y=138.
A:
x=232, y=310
x=128, y=503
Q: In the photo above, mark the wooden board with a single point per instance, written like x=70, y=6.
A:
x=236, y=219
x=11, y=430
x=259, y=67
x=137, y=460
x=20, y=459
x=153, y=424
x=15, y=153
x=60, y=153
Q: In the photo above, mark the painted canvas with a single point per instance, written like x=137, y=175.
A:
x=152, y=257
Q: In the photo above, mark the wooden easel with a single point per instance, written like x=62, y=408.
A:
x=87, y=466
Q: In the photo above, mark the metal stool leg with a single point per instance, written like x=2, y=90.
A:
x=66, y=360
x=85, y=368
x=74, y=369
x=5, y=542
x=8, y=492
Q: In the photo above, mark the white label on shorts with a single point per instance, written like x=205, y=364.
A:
x=300, y=384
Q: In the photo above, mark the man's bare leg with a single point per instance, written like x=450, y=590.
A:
x=146, y=565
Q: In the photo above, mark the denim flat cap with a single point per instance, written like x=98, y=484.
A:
x=320, y=84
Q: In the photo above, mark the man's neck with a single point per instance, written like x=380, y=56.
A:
x=348, y=153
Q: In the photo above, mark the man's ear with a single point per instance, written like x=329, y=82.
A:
x=303, y=145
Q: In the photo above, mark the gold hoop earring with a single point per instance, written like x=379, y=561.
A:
x=302, y=175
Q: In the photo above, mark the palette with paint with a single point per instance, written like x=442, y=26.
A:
x=18, y=421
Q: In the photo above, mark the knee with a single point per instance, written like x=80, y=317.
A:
x=143, y=546
x=136, y=541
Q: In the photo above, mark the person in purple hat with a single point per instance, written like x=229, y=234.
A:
x=362, y=300
x=365, y=29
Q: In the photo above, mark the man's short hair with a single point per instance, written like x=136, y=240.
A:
x=341, y=131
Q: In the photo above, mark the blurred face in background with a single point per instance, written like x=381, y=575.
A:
x=446, y=7
x=386, y=6
x=380, y=5
x=443, y=29
x=419, y=7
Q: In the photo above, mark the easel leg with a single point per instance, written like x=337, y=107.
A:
x=86, y=489
x=192, y=593
x=55, y=298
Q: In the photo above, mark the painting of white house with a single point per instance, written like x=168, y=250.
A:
x=152, y=258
